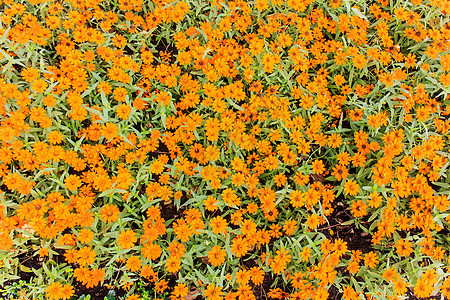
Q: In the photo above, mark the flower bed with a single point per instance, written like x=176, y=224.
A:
x=238, y=150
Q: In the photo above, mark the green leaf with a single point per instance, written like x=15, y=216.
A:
x=110, y=192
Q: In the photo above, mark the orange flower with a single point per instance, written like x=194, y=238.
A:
x=211, y=153
x=213, y=293
x=151, y=251
x=375, y=200
x=73, y=182
x=90, y=278
x=180, y=290
x=350, y=293
x=148, y=273
x=86, y=256
x=340, y=172
x=85, y=236
x=176, y=249
x=351, y=188
x=375, y=121
x=445, y=287
x=182, y=230
x=109, y=213
x=335, y=4
x=400, y=286
x=39, y=85
x=126, y=239
x=275, y=293
x=57, y=290
x=256, y=275
x=123, y=111
x=110, y=131
x=297, y=198
x=356, y=114
x=157, y=167
x=390, y=274
x=312, y=221
x=371, y=259
x=216, y=256
x=334, y=140
x=55, y=137
x=318, y=167
x=161, y=286
x=248, y=227
x=210, y=203
x=238, y=179
x=289, y=227
x=343, y=158
x=219, y=225
x=163, y=98
x=359, y=61
x=242, y=277
x=382, y=176
x=358, y=209
x=239, y=246
x=43, y=252
x=78, y=113
x=105, y=87
x=278, y=266
x=133, y=263
x=49, y=101
x=339, y=247
x=305, y=254
x=30, y=74
x=404, y=247
x=353, y=267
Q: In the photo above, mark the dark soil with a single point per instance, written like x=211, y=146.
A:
x=260, y=291
x=96, y=292
x=169, y=211
x=334, y=294
x=31, y=262
x=356, y=238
